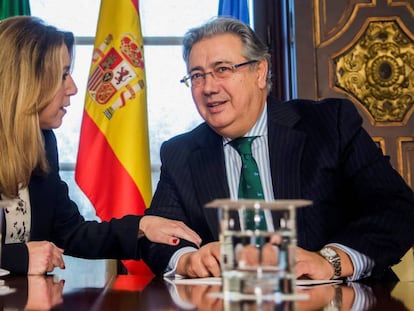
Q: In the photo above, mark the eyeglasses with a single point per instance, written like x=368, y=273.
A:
x=221, y=71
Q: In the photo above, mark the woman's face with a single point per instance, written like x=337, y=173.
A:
x=51, y=116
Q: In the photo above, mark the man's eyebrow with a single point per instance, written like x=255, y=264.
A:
x=197, y=68
x=212, y=65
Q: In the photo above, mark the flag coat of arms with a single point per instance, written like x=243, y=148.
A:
x=113, y=166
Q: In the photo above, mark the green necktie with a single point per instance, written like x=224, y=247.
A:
x=250, y=186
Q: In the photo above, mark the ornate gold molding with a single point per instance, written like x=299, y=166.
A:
x=325, y=35
x=377, y=69
x=406, y=4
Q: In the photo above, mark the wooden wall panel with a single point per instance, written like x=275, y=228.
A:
x=362, y=50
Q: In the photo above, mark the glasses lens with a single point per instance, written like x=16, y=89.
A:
x=197, y=78
x=223, y=71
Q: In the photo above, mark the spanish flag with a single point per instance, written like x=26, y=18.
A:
x=113, y=165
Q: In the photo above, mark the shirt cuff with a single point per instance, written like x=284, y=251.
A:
x=172, y=264
x=362, y=264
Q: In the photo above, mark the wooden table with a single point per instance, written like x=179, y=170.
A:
x=127, y=292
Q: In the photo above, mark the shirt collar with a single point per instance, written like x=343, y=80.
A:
x=258, y=129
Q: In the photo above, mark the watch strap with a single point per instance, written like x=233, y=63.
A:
x=333, y=258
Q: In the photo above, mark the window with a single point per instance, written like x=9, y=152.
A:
x=163, y=24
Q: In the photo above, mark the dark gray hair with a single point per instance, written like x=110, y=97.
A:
x=253, y=47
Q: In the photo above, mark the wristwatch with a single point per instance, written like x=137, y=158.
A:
x=333, y=258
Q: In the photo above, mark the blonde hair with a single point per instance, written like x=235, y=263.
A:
x=31, y=71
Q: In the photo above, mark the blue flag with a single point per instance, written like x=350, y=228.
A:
x=235, y=8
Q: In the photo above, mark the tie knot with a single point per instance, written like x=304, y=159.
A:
x=243, y=145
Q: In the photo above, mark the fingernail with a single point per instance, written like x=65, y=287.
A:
x=175, y=241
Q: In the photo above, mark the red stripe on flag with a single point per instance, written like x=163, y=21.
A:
x=102, y=177
x=99, y=173
x=138, y=267
x=95, y=80
x=131, y=282
x=135, y=4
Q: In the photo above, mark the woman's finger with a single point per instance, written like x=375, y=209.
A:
x=187, y=234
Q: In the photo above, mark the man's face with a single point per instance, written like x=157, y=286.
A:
x=230, y=106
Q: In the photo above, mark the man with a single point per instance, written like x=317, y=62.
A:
x=362, y=211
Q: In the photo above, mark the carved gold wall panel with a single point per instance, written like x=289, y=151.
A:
x=327, y=30
x=377, y=69
x=408, y=4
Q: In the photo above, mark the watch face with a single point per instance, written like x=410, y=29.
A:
x=328, y=252
x=332, y=256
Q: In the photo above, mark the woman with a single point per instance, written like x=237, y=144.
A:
x=41, y=222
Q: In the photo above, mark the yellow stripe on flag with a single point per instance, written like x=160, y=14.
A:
x=116, y=95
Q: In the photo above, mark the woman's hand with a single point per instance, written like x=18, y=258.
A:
x=44, y=292
x=44, y=256
x=167, y=231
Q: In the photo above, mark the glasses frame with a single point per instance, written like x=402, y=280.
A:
x=233, y=67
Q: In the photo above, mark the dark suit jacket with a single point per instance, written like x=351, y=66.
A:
x=318, y=151
x=56, y=218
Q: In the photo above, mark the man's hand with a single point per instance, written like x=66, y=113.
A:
x=202, y=263
x=319, y=297
x=314, y=266
x=44, y=256
x=200, y=296
x=251, y=256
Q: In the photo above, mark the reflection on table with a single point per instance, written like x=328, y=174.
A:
x=126, y=292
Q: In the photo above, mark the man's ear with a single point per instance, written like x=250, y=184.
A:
x=262, y=68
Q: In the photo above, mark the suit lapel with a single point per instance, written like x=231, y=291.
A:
x=286, y=145
x=208, y=167
x=209, y=174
